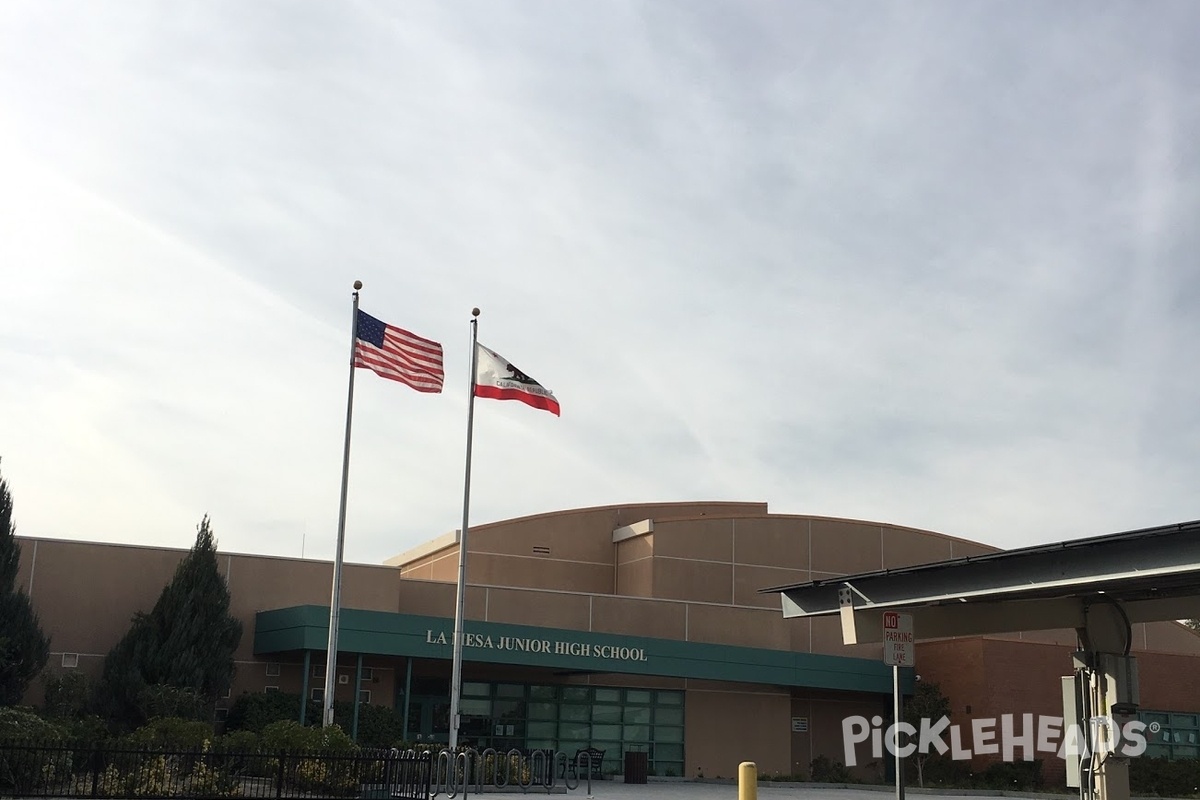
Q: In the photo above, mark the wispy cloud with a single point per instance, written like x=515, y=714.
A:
x=927, y=264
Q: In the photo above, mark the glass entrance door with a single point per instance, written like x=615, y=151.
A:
x=429, y=719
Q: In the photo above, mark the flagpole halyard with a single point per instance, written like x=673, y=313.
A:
x=335, y=594
x=460, y=594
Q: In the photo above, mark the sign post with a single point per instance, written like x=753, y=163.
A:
x=899, y=650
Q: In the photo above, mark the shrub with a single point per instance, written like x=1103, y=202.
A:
x=237, y=741
x=940, y=770
x=24, y=725
x=378, y=726
x=85, y=729
x=332, y=777
x=232, y=754
x=1013, y=775
x=291, y=735
x=208, y=781
x=66, y=695
x=21, y=772
x=511, y=769
x=160, y=700
x=253, y=712
x=783, y=778
x=111, y=782
x=824, y=770
x=171, y=732
x=1163, y=777
x=152, y=780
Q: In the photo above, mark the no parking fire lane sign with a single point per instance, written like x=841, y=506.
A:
x=898, y=644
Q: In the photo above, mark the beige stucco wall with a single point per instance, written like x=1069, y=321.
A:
x=696, y=576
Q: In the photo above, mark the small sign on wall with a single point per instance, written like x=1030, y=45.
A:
x=799, y=724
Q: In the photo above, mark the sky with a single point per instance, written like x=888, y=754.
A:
x=932, y=264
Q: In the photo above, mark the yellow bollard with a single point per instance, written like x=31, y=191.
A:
x=747, y=781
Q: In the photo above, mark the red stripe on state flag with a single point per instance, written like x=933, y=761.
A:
x=535, y=400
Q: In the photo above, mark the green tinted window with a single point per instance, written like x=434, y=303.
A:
x=508, y=709
x=606, y=714
x=667, y=734
x=636, y=733
x=668, y=716
x=637, y=714
x=543, y=710
x=574, y=731
x=575, y=713
x=543, y=730
x=669, y=752
x=608, y=695
x=475, y=707
x=606, y=733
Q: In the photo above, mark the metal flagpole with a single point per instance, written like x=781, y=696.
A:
x=896, y=720
x=335, y=595
x=456, y=669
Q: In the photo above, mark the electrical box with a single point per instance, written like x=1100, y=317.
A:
x=1120, y=683
x=1070, y=693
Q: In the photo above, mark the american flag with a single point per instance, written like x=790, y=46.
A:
x=398, y=355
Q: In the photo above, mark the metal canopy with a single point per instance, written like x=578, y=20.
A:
x=1145, y=575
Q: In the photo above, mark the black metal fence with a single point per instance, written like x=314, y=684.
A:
x=110, y=771
x=31, y=770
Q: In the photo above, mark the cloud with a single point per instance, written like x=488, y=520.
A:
x=924, y=265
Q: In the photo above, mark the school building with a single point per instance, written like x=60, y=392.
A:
x=626, y=628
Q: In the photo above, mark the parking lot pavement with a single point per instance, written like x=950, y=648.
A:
x=692, y=790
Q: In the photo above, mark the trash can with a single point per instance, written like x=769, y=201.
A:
x=637, y=766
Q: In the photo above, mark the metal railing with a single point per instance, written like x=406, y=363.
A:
x=64, y=770
x=459, y=773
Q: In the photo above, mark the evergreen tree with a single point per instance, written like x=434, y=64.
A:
x=24, y=648
x=186, y=642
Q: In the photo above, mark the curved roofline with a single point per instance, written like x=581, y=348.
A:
x=622, y=506
x=852, y=520
x=728, y=509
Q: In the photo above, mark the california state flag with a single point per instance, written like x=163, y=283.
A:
x=498, y=379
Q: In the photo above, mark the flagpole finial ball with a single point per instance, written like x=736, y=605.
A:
x=357, y=285
x=474, y=312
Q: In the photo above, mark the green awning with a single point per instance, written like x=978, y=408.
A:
x=392, y=634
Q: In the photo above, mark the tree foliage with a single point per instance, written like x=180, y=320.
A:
x=929, y=703
x=183, y=648
x=24, y=648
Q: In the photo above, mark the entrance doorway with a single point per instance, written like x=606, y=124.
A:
x=429, y=718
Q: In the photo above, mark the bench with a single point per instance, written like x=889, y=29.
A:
x=597, y=760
